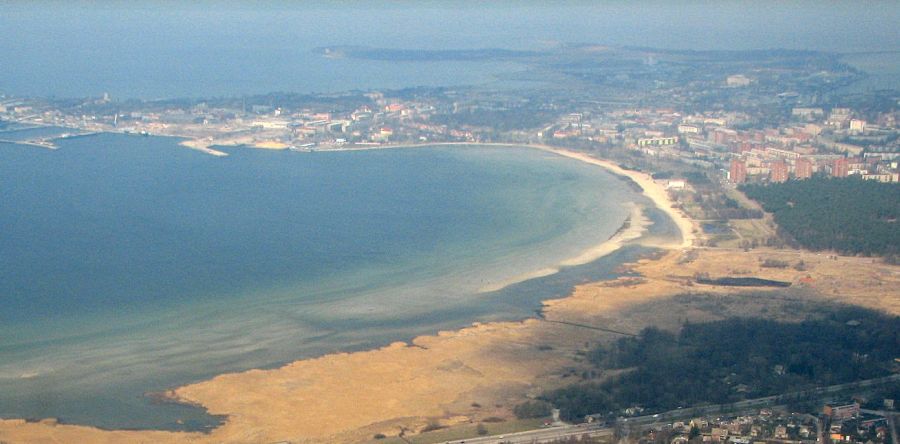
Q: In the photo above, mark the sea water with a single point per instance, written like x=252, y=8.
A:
x=130, y=265
x=150, y=49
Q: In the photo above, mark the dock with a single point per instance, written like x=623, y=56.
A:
x=40, y=143
x=75, y=135
x=47, y=142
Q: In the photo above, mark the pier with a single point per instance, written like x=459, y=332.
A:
x=48, y=141
x=40, y=143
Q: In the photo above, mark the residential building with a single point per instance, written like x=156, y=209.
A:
x=803, y=168
x=737, y=80
x=841, y=411
x=738, y=173
x=657, y=141
x=778, y=171
x=841, y=167
x=857, y=126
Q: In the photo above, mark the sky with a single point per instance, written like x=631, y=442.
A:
x=138, y=47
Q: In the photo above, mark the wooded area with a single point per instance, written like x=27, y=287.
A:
x=734, y=359
x=850, y=216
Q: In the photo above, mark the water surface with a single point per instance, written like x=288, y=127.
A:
x=130, y=265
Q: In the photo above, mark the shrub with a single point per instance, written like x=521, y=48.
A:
x=432, y=426
x=532, y=409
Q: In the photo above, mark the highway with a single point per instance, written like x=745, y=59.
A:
x=549, y=434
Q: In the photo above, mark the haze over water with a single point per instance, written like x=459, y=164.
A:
x=203, y=49
x=131, y=264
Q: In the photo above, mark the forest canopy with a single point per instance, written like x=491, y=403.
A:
x=850, y=216
x=734, y=359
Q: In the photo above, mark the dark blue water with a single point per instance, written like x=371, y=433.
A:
x=130, y=265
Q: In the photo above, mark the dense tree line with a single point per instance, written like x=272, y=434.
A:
x=734, y=359
x=851, y=216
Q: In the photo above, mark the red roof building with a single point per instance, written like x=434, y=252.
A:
x=841, y=167
x=738, y=172
x=778, y=171
x=803, y=169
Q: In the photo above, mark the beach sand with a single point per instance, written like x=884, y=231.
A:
x=636, y=226
x=652, y=189
x=348, y=397
x=270, y=145
x=203, y=146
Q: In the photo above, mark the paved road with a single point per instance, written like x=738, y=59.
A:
x=891, y=419
x=637, y=423
x=540, y=435
x=767, y=401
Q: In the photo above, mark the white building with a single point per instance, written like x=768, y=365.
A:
x=857, y=126
x=688, y=129
x=737, y=80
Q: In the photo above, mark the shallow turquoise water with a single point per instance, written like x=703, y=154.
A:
x=130, y=265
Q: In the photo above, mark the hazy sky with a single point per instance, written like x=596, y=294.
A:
x=700, y=24
x=44, y=44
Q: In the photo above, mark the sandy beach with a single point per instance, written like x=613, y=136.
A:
x=204, y=145
x=655, y=191
x=652, y=189
x=635, y=226
x=464, y=376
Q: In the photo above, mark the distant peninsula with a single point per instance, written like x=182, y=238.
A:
x=422, y=55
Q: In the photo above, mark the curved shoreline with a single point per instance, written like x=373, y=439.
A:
x=634, y=226
x=227, y=394
x=650, y=188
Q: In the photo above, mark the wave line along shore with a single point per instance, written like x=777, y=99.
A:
x=653, y=190
x=300, y=401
